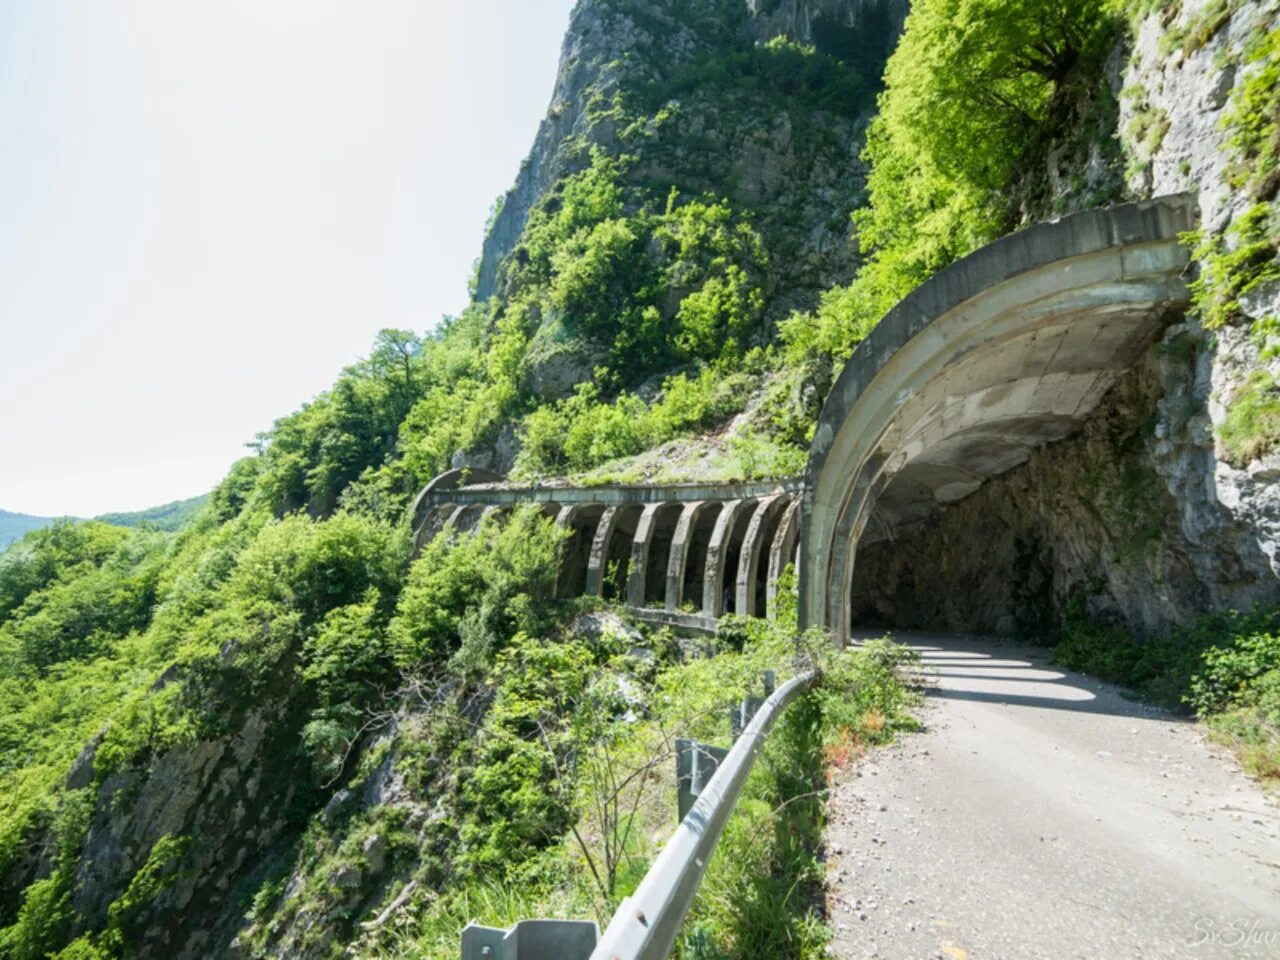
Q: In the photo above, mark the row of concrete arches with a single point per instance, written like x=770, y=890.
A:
x=686, y=560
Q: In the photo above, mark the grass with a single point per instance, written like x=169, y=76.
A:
x=1251, y=428
x=763, y=893
x=1199, y=30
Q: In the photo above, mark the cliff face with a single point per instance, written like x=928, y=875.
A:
x=1185, y=80
x=613, y=48
x=225, y=841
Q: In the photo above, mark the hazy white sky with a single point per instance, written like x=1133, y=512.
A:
x=208, y=209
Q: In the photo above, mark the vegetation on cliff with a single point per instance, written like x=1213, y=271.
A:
x=277, y=725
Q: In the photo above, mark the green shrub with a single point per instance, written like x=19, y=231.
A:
x=500, y=577
x=1228, y=674
x=1251, y=428
x=1224, y=666
x=582, y=432
x=1252, y=725
x=820, y=81
x=964, y=113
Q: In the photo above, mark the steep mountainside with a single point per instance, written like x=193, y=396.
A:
x=279, y=733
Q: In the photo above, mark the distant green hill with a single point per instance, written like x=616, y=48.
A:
x=167, y=516
x=13, y=526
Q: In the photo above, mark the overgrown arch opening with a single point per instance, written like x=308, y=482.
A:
x=616, y=556
x=580, y=522
x=695, y=565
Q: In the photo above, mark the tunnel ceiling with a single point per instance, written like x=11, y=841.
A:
x=985, y=413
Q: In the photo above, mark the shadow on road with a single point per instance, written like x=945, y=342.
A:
x=1011, y=673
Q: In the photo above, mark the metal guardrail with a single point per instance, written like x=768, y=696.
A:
x=646, y=924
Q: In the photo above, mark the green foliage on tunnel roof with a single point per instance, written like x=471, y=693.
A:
x=973, y=94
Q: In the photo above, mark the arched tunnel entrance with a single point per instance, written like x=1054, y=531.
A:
x=988, y=364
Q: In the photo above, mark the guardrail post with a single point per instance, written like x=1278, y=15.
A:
x=531, y=940
x=696, y=764
x=741, y=713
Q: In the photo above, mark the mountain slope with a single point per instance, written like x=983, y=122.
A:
x=170, y=516
x=279, y=733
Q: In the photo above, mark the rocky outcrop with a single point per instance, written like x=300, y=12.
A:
x=859, y=31
x=223, y=803
x=611, y=46
x=1173, y=118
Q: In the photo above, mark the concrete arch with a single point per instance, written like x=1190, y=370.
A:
x=781, y=552
x=468, y=516
x=487, y=512
x=1003, y=351
x=718, y=549
x=432, y=522
x=581, y=521
x=754, y=545
x=624, y=516
x=648, y=529
x=449, y=480
x=681, y=540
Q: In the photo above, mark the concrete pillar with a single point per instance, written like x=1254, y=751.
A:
x=600, y=552
x=430, y=498
x=579, y=521
x=453, y=517
x=564, y=521
x=680, y=553
x=433, y=518
x=640, y=554
x=781, y=552
x=753, y=546
x=717, y=554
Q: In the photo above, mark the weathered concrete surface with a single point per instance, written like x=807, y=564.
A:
x=718, y=555
x=679, y=555
x=755, y=550
x=1087, y=520
x=506, y=494
x=998, y=354
x=599, y=557
x=782, y=552
x=1042, y=815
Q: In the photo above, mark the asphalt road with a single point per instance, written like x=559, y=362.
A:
x=1043, y=815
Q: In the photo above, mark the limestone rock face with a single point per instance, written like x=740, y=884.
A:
x=1230, y=514
x=609, y=46
x=226, y=799
x=856, y=29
